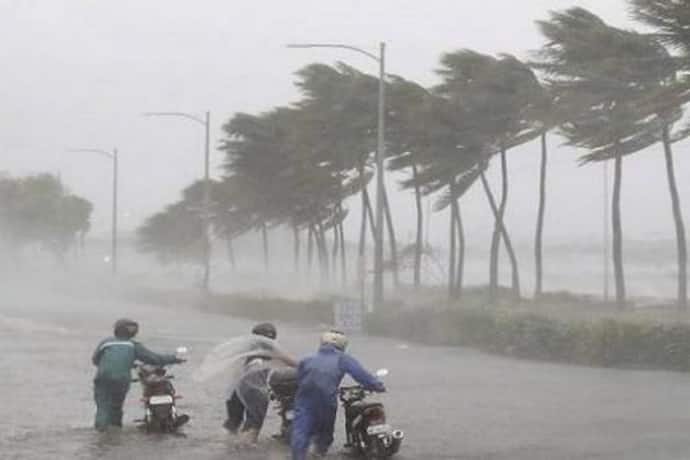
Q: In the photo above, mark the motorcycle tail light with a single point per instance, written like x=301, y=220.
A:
x=376, y=414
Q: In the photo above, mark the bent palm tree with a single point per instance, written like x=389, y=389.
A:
x=600, y=75
x=671, y=21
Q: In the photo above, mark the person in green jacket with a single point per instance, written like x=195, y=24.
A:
x=114, y=358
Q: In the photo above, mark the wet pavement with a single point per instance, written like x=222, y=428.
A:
x=452, y=403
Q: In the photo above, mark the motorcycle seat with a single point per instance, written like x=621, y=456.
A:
x=361, y=406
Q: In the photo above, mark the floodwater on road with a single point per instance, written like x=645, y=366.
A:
x=452, y=403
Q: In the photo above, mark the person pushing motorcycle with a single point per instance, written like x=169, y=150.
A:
x=249, y=394
x=114, y=358
x=316, y=403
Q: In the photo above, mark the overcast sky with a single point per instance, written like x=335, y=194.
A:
x=78, y=74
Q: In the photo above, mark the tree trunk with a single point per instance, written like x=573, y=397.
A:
x=362, y=231
x=681, y=245
x=493, y=284
x=420, y=227
x=460, y=272
x=264, y=233
x=391, y=238
x=452, y=254
x=370, y=213
x=318, y=247
x=538, y=260
x=618, y=234
x=297, y=244
x=343, y=255
x=231, y=252
x=323, y=249
x=310, y=248
x=334, y=258
x=498, y=220
x=515, y=272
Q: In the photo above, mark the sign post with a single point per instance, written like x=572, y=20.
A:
x=348, y=315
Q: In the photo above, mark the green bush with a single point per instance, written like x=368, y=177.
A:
x=605, y=342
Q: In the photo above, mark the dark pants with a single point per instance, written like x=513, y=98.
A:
x=110, y=397
x=255, y=402
x=235, y=410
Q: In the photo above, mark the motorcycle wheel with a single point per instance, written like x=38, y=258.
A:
x=153, y=425
x=376, y=450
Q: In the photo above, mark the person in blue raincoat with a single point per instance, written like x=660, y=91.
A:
x=114, y=358
x=316, y=402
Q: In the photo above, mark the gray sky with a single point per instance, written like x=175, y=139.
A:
x=78, y=73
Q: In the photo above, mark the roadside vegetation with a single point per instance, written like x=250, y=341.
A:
x=39, y=212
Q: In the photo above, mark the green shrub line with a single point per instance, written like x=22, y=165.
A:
x=606, y=341
x=602, y=342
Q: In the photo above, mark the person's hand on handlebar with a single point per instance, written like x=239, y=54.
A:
x=381, y=388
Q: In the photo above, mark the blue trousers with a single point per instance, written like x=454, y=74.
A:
x=314, y=420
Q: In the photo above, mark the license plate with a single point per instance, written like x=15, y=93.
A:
x=290, y=415
x=378, y=429
x=160, y=399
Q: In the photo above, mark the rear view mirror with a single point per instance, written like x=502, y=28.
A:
x=381, y=373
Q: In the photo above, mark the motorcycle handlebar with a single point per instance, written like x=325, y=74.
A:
x=351, y=388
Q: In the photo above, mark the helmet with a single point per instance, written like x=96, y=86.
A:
x=336, y=338
x=125, y=328
x=265, y=329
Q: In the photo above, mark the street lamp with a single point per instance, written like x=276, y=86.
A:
x=112, y=156
x=380, y=154
x=206, y=123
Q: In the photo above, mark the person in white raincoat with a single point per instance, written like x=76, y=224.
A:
x=251, y=359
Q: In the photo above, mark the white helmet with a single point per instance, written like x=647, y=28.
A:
x=336, y=338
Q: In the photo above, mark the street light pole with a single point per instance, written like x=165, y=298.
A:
x=380, y=155
x=114, y=218
x=207, y=204
x=113, y=243
x=206, y=199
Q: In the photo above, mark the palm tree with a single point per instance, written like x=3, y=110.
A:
x=176, y=234
x=599, y=75
x=671, y=19
x=447, y=158
x=341, y=103
x=501, y=95
x=408, y=104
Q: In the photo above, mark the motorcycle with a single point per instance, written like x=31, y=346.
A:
x=159, y=398
x=366, y=429
x=282, y=384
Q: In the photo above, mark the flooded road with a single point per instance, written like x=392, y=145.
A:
x=452, y=403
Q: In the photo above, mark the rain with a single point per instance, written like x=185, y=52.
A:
x=480, y=207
